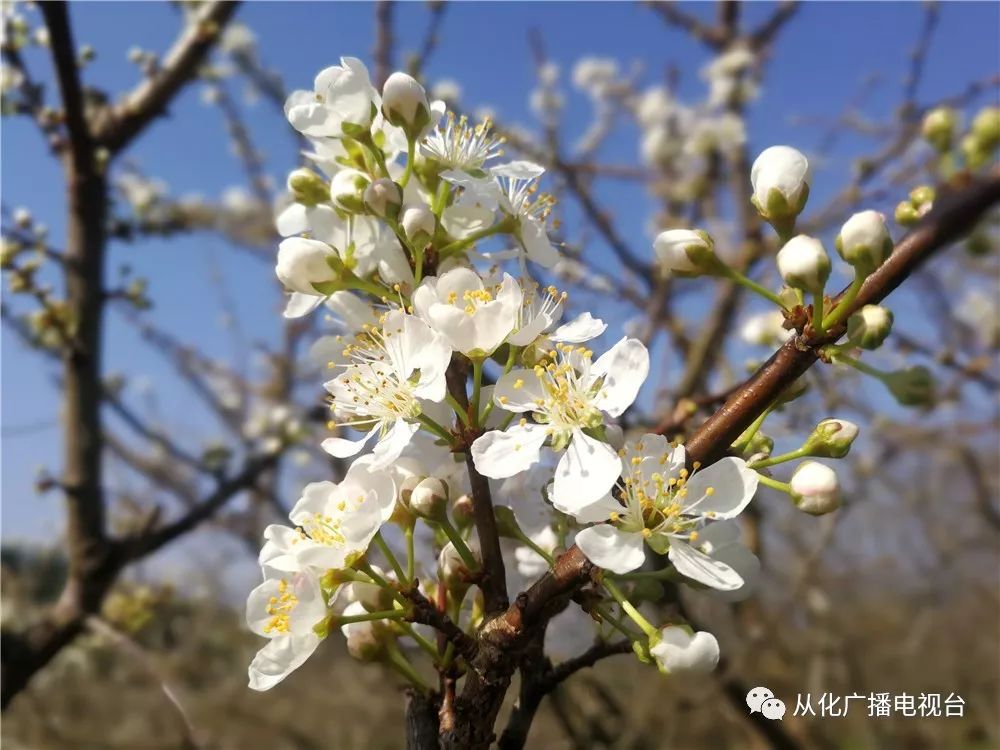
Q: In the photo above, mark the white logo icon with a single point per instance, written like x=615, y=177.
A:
x=762, y=700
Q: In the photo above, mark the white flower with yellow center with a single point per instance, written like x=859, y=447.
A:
x=474, y=317
x=519, y=188
x=667, y=508
x=460, y=146
x=539, y=309
x=388, y=372
x=568, y=396
x=337, y=521
x=286, y=608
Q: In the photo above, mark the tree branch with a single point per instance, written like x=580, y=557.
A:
x=151, y=97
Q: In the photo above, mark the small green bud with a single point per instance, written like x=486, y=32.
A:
x=939, y=127
x=869, y=326
x=986, y=128
x=832, y=438
x=347, y=189
x=308, y=187
x=906, y=215
x=913, y=386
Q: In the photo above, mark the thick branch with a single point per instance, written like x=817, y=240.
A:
x=151, y=97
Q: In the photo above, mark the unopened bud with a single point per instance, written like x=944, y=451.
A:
x=804, y=264
x=455, y=574
x=418, y=223
x=906, y=214
x=461, y=512
x=986, y=128
x=383, y=197
x=760, y=445
x=780, y=177
x=815, y=488
x=429, y=498
x=404, y=104
x=939, y=127
x=507, y=525
x=864, y=241
x=832, y=438
x=922, y=197
x=687, y=252
x=304, y=263
x=869, y=326
x=365, y=640
x=308, y=187
x=347, y=190
x=913, y=386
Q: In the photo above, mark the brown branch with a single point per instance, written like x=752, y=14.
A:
x=151, y=97
x=769, y=29
x=425, y=613
x=673, y=16
x=382, y=54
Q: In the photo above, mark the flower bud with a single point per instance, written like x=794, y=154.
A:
x=780, y=177
x=906, y=214
x=913, y=386
x=687, y=252
x=760, y=445
x=869, y=326
x=461, y=512
x=454, y=573
x=832, y=438
x=308, y=187
x=383, y=197
x=939, y=127
x=303, y=263
x=507, y=525
x=804, y=264
x=418, y=223
x=429, y=498
x=922, y=197
x=347, y=190
x=404, y=104
x=365, y=640
x=986, y=128
x=815, y=488
x=864, y=241
x=765, y=329
x=22, y=218
x=973, y=151
x=676, y=649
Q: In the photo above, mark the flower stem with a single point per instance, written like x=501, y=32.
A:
x=436, y=428
x=441, y=198
x=841, y=358
x=477, y=387
x=748, y=434
x=774, y=484
x=753, y=286
x=817, y=316
x=397, y=661
x=411, y=560
x=616, y=623
x=410, y=153
x=460, y=546
x=429, y=648
x=390, y=557
x=840, y=310
x=779, y=459
x=631, y=611
x=386, y=614
x=501, y=227
x=457, y=408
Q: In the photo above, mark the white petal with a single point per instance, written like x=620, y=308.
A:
x=733, y=484
x=613, y=549
x=503, y=454
x=389, y=448
x=679, y=651
x=521, y=389
x=536, y=243
x=587, y=471
x=701, y=568
x=583, y=327
x=292, y=220
x=624, y=368
x=595, y=512
x=519, y=170
x=344, y=448
x=461, y=221
x=300, y=304
x=279, y=658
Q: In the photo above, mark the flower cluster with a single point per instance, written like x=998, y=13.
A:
x=455, y=368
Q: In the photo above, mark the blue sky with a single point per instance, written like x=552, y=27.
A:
x=818, y=66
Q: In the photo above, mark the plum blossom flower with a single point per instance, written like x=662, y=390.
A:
x=473, y=317
x=343, y=99
x=335, y=521
x=518, y=186
x=286, y=608
x=568, y=395
x=677, y=650
x=665, y=507
x=389, y=371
